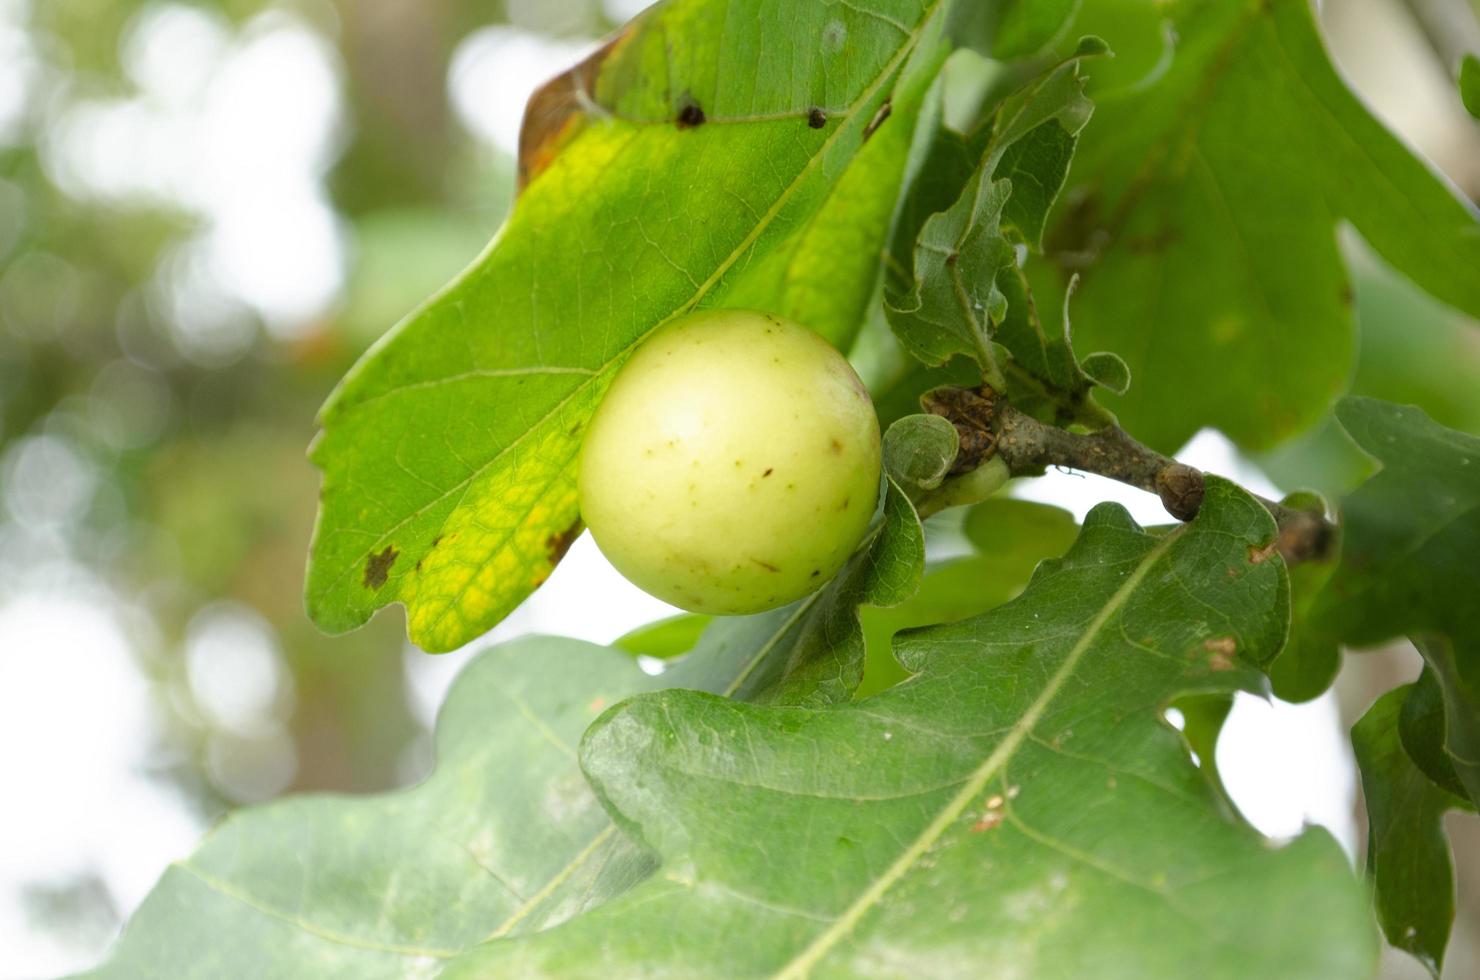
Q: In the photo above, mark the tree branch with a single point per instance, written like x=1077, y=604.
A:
x=991, y=428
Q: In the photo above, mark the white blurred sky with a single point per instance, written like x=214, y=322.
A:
x=239, y=127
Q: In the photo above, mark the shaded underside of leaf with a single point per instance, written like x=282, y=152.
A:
x=1408, y=567
x=1408, y=855
x=449, y=453
x=392, y=885
x=1019, y=808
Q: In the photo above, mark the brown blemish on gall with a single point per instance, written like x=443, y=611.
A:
x=837, y=447
x=766, y=565
x=768, y=472
x=378, y=567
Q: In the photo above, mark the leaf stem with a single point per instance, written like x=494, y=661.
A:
x=992, y=430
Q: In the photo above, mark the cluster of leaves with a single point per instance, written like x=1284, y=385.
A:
x=967, y=780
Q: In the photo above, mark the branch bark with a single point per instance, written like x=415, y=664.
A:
x=991, y=428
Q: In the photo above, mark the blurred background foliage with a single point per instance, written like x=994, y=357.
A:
x=208, y=210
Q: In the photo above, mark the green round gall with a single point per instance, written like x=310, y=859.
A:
x=733, y=465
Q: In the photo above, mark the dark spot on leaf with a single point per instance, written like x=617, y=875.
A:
x=768, y=472
x=418, y=565
x=846, y=501
x=690, y=116
x=766, y=565
x=953, y=258
x=1347, y=295
x=837, y=447
x=558, y=544
x=878, y=120
x=816, y=118
x=378, y=567
x=436, y=541
x=816, y=572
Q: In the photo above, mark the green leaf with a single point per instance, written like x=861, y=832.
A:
x=1005, y=527
x=1421, y=727
x=1413, y=350
x=1455, y=669
x=1408, y=568
x=826, y=275
x=1407, y=853
x=1016, y=28
x=1204, y=227
x=449, y=453
x=1469, y=84
x=967, y=291
x=1307, y=666
x=954, y=298
x=667, y=638
x=919, y=451
x=1018, y=807
x=1011, y=537
x=1203, y=716
x=504, y=837
x=1107, y=370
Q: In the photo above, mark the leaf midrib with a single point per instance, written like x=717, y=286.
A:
x=801, y=965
